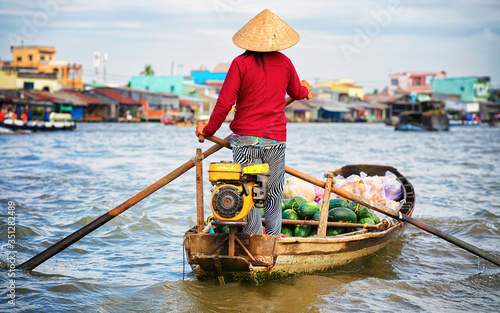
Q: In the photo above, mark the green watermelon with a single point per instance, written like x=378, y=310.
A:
x=284, y=204
x=307, y=210
x=342, y=215
x=352, y=205
x=290, y=215
x=316, y=216
x=302, y=230
x=366, y=220
x=287, y=231
x=295, y=202
x=225, y=229
x=374, y=217
x=336, y=203
x=334, y=231
x=361, y=212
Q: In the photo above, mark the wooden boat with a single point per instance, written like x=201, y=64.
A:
x=392, y=121
x=259, y=258
x=430, y=117
x=416, y=121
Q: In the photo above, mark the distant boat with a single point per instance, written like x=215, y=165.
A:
x=430, y=117
x=416, y=121
x=493, y=121
x=57, y=121
x=464, y=123
x=391, y=121
x=181, y=119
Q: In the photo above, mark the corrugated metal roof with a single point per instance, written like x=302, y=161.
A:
x=86, y=99
x=382, y=98
x=77, y=99
x=40, y=96
x=116, y=96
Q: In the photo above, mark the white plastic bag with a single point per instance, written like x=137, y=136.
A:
x=297, y=187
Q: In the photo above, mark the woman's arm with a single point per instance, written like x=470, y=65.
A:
x=227, y=97
x=297, y=89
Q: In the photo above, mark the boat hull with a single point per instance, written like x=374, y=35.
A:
x=284, y=257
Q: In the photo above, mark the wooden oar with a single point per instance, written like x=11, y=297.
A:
x=103, y=219
x=381, y=208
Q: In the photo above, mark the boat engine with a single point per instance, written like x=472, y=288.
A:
x=236, y=191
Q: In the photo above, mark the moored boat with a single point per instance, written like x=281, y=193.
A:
x=416, y=121
x=57, y=121
x=259, y=258
x=430, y=117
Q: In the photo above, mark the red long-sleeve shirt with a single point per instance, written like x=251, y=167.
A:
x=259, y=94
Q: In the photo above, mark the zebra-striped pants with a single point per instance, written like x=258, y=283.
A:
x=275, y=157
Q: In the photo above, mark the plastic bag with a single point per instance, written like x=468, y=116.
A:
x=370, y=188
x=392, y=186
x=297, y=187
x=377, y=188
x=320, y=192
x=374, y=188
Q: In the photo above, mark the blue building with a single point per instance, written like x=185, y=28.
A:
x=472, y=88
x=218, y=73
x=171, y=84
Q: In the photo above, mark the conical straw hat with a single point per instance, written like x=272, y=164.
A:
x=266, y=32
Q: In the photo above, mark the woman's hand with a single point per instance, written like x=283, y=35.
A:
x=306, y=84
x=199, y=129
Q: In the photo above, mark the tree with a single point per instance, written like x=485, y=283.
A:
x=148, y=70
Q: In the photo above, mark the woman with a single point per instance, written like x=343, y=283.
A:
x=258, y=81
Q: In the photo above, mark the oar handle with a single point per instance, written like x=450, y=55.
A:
x=219, y=141
x=201, y=138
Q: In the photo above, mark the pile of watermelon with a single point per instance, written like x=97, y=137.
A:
x=339, y=210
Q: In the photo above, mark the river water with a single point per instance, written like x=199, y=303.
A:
x=55, y=183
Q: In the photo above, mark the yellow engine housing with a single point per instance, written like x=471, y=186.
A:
x=224, y=171
x=246, y=206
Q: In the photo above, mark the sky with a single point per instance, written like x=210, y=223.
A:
x=363, y=40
